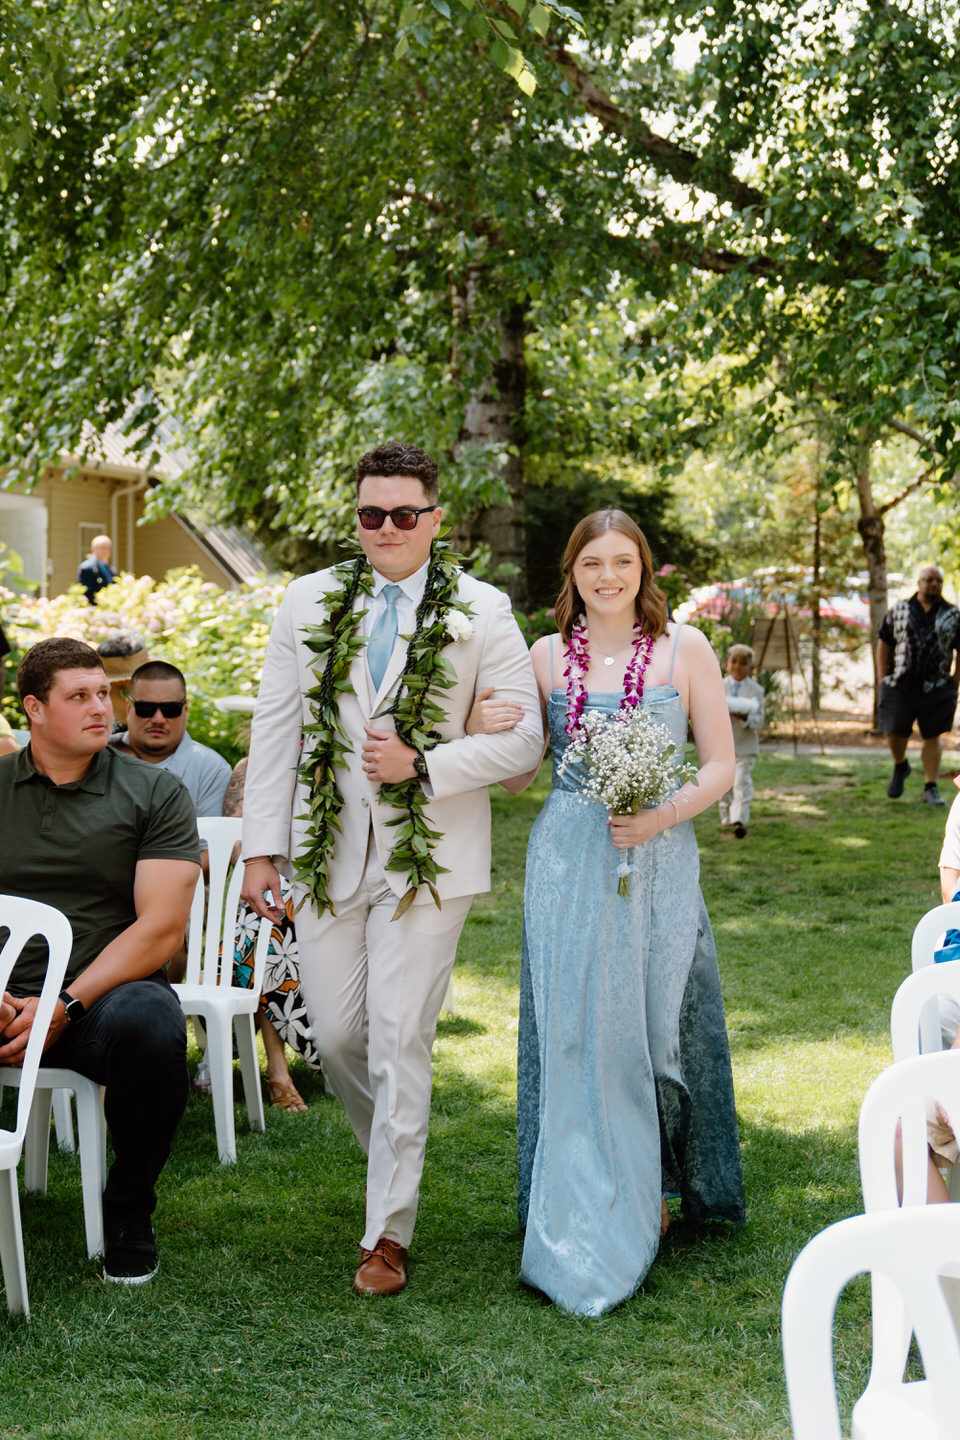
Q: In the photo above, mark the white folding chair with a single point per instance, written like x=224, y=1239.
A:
x=209, y=990
x=920, y=990
x=918, y=1253
x=899, y=1096
x=24, y=919
x=927, y=935
x=917, y=992
x=55, y=1085
x=900, y=1093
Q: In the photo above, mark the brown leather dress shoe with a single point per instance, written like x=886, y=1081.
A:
x=383, y=1270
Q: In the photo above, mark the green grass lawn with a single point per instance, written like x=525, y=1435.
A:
x=251, y=1328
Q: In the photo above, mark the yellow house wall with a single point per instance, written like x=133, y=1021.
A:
x=164, y=545
x=84, y=499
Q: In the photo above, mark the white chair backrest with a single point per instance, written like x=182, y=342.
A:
x=927, y=936
x=917, y=992
x=900, y=1093
x=213, y=914
x=929, y=931
x=24, y=919
x=915, y=1250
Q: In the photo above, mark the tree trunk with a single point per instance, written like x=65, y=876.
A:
x=871, y=528
x=494, y=414
x=815, y=664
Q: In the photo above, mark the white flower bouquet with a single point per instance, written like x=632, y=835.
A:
x=630, y=763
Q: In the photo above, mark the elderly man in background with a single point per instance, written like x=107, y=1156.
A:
x=113, y=845
x=96, y=572
x=918, y=664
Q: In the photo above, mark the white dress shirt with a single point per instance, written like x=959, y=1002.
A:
x=412, y=589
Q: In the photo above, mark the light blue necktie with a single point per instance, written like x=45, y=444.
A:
x=383, y=636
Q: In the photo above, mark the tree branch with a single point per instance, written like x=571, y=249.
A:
x=684, y=166
x=914, y=485
x=689, y=168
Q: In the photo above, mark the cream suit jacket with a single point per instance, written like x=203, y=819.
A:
x=460, y=766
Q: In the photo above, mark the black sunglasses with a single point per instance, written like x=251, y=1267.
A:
x=372, y=517
x=169, y=709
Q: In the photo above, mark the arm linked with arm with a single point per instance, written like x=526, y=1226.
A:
x=473, y=761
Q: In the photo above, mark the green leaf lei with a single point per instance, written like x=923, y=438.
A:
x=415, y=714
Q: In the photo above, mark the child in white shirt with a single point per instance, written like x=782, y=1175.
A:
x=745, y=703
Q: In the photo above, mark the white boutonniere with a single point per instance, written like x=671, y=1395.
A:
x=457, y=625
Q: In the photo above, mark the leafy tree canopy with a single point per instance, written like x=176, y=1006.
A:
x=298, y=224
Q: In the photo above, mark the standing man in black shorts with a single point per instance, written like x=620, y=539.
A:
x=918, y=664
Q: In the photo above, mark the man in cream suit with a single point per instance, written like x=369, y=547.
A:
x=373, y=981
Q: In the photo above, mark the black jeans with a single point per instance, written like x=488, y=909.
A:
x=133, y=1041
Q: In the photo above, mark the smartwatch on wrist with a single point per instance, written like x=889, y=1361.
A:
x=420, y=767
x=75, y=1008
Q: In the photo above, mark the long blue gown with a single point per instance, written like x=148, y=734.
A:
x=625, y=1090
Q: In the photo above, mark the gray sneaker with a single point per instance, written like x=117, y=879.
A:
x=931, y=796
x=895, y=783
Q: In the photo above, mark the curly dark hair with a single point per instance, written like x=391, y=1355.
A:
x=397, y=458
x=42, y=662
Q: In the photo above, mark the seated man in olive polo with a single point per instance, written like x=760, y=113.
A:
x=113, y=844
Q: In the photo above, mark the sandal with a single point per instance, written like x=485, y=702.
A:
x=284, y=1095
x=664, y=1218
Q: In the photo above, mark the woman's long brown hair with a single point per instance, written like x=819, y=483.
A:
x=651, y=601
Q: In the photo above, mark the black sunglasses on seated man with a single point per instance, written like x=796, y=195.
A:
x=169, y=709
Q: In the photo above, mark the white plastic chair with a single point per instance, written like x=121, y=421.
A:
x=927, y=935
x=24, y=919
x=899, y=1095
x=208, y=989
x=919, y=990
x=55, y=1084
x=917, y=1252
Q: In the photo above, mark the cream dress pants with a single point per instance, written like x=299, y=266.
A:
x=373, y=987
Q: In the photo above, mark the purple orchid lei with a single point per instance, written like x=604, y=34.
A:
x=577, y=654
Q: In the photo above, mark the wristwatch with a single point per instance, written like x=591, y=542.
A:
x=75, y=1008
x=420, y=767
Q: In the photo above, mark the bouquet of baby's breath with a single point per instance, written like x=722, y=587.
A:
x=630, y=763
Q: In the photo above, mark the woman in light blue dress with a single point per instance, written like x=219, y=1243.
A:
x=624, y=1084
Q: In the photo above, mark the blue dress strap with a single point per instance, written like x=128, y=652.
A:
x=555, y=684
x=673, y=652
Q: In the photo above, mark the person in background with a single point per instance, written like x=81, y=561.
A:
x=113, y=845
x=96, y=572
x=917, y=644
x=745, y=704
x=157, y=709
x=8, y=742
x=156, y=714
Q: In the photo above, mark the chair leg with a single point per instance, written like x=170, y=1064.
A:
x=63, y=1120
x=93, y=1163
x=11, y=1246
x=36, y=1147
x=220, y=1050
x=250, y=1070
